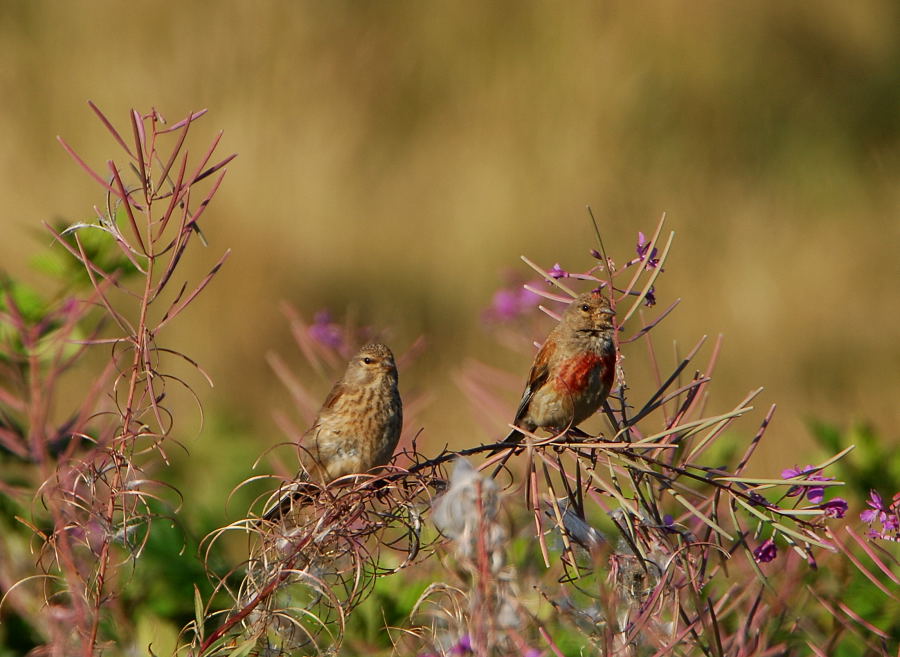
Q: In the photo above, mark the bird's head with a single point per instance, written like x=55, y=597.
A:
x=372, y=362
x=590, y=312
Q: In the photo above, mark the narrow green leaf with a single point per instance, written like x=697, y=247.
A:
x=243, y=649
x=699, y=514
x=198, y=612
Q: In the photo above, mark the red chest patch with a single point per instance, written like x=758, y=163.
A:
x=576, y=373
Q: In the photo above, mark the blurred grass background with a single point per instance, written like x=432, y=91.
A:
x=397, y=158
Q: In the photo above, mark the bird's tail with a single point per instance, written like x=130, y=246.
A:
x=299, y=493
x=514, y=438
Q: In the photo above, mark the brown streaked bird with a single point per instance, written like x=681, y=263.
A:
x=572, y=372
x=356, y=429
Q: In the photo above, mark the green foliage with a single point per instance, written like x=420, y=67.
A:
x=872, y=465
x=390, y=605
x=99, y=247
x=166, y=573
x=26, y=299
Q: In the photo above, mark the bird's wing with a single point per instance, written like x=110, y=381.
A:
x=310, y=442
x=337, y=390
x=300, y=491
x=540, y=372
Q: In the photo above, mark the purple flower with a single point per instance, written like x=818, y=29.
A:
x=877, y=508
x=891, y=523
x=650, y=297
x=463, y=646
x=510, y=303
x=557, y=272
x=643, y=246
x=883, y=514
x=595, y=253
x=505, y=304
x=835, y=508
x=814, y=494
x=766, y=552
x=528, y=299
x=324, y=330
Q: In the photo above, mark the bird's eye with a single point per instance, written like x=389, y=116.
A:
x=367, y=360
x=585, y=307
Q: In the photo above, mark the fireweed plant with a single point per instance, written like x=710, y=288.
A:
x=311, y=566
x=645, y=539
x=658, y=542
x=83, y=479
x=642, y=540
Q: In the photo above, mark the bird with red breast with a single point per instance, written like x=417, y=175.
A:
x=572, y=372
